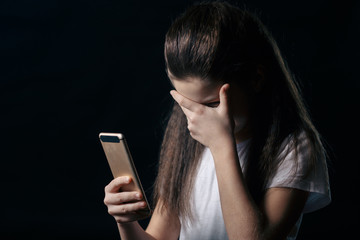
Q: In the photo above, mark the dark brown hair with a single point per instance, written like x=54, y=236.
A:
x=220, y=42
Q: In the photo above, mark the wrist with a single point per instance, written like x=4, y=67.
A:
x=223, y=145
x=126, y=224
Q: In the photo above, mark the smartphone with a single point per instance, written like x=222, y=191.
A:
x=121, y=163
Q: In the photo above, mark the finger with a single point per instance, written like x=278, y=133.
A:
x=122, y=197
x=125, y=209
x=187, y=113
x=117, y=183
x=184, y=102
x=134, y=216
x=224, y=96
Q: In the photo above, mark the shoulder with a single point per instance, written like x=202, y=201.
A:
x=300, y=154
x=301, y=166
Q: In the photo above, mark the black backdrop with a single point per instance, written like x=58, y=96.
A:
x=71, y=69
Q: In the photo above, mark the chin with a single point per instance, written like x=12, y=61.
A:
x=240, y=124
x=241, y=129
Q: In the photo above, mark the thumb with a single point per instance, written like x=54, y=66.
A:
x=224, y=96
x=117, y=183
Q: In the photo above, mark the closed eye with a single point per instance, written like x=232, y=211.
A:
x=212, y=104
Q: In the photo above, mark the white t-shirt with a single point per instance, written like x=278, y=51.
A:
x=208, y=221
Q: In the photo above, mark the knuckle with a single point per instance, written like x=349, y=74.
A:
x=190, y=120
x=194, y=121
x=110, y=211
x=199, y=110
x=120, y=199
x=123, y=210
x=191, y=126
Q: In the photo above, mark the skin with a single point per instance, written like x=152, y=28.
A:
x=214, y=122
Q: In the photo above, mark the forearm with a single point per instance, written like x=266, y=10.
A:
x=241, y=215
x=133, y=230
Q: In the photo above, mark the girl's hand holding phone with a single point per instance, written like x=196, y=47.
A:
x=124, y=206
x=209, y=126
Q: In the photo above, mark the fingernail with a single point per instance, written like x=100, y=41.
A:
x=138, y=196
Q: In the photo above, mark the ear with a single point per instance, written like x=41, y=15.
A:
x=258, y=81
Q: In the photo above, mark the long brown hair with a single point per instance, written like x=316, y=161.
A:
x=220, y=42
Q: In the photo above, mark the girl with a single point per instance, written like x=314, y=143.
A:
x=240, y=158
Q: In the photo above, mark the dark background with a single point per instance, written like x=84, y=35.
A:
x=71, y=69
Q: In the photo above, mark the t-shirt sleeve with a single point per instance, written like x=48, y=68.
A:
x=292, y=175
